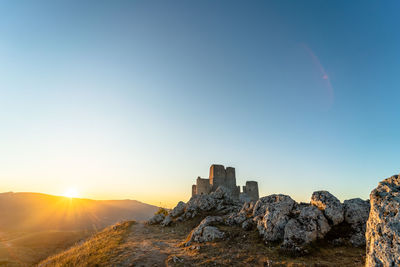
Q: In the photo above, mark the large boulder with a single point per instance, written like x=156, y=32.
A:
x=156, y=219
x=205, y=231
x=167, y=221
x=330, y=205
x=178, y=210
x=356, y=212
x=236, y=218
x=309, y=226
x=383, y=225
x=271, y=214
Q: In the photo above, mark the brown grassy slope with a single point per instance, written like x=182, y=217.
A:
x=143, y=245
x=100, y=250
x=41, y=212
x=27, y=249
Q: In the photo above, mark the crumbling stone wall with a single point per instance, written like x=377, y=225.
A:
x=203, y=186
x=194, y=190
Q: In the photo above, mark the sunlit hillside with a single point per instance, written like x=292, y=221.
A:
x=38, y=212
x=34, y=226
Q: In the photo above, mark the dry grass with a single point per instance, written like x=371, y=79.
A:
x=28, y=248
x=149, y=245
x=101, y=248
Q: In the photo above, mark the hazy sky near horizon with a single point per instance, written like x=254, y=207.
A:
x=135, y=99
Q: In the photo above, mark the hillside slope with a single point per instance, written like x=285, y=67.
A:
x=27, y=249
x=41, y=212
x=34, y=226
x=137, y=244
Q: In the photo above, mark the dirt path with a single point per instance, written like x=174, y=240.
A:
x=150, y=246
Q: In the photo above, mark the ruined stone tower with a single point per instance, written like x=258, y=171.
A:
x=219, y=176
x=251, y=189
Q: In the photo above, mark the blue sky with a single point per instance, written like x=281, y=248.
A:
x=135, y=99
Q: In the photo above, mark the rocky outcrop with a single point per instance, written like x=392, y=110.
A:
x=330, y=205
x=248, y=224
x=156, y=219
x=205, y=231
x=272, y=214
x=167, y=220
x=236, y=218
x=277, y=218
x=178, y=210
x=221, y=200
x=356, y=213
x=309, y=226
x=383, y=225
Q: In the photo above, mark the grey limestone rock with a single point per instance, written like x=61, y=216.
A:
x=167, y=221
x=356, y=212
x=205, y=231
x=236, y=218
x=248, y=207
x=220, y=200
x=156, y=219
x=275, y=211
x=383, y=225
x=178, y=210
x=330, y=205
x=248, y=224
x=309, y=226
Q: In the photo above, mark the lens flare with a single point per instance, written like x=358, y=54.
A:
x=71, y=193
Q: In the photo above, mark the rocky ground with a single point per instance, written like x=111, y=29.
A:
x=154, y=245
x=218, y=230
x=282, y=230
x=278, y=219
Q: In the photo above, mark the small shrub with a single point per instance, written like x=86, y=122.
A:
x=162, y=211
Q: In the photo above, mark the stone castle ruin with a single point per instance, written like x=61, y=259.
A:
x=219, y=176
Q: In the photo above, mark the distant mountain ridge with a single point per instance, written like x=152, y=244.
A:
x=37, y=211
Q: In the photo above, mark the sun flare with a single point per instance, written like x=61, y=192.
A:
x=71, y=193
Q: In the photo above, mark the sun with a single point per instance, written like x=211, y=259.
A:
x=71, y=193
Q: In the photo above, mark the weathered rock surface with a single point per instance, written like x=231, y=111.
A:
x=206, y=231
x=220, y=200
x=275, y=211
x=356, y=212
x=156, y=219
x=383, y=225
x=330, y=205
x=167, y=221
x=278, y=218
x=178, y=210
x=309, y=226
x=236, y=218
x=248, y=224
x=248, y=207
